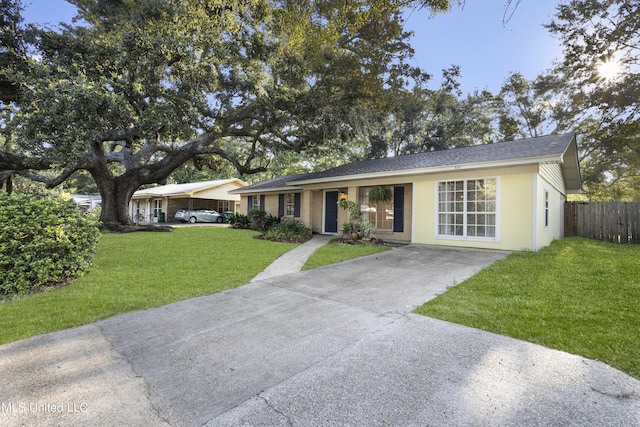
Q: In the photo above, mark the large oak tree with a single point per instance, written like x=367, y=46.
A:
x=137, y=88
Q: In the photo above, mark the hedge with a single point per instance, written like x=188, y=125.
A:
x=44, y=241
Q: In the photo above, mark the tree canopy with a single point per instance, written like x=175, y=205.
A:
x=141, y=87
x=600, y=75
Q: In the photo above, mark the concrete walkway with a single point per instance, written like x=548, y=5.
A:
x=292, y=261
x=333, y=346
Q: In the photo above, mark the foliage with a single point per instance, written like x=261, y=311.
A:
x=576, y=295
x=606, y=108
x=347, y=228
x=366, y=230
x=261, y=221
x=354, y=208
x=524, y=109
x=289, y=230
x=137, y=89
x=380, y=193
x=334, y=252
x=44, y=241
x=135, y=271
x=12, y=48
x=424, y=119
x=239, y=221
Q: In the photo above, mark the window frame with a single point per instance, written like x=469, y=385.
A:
x=157, y=206
x=224, y=206
x=547, y=212
x=289, y=204
x=363, y=199
x=463, y=215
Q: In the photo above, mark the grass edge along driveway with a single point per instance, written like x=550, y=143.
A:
x=578, y=295
x=137, y=271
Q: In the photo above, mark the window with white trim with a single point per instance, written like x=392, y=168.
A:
x=546, y=208
x=289, y=204
x=157, y=206
x=255, y=201
x=380, y=214
x=467, y=208
x=223, y=206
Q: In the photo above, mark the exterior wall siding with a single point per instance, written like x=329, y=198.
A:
x=555, y=230
x=552, y=173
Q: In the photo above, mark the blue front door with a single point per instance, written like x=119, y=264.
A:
x=331, y=211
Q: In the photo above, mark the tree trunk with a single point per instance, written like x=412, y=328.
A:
x=116, y=194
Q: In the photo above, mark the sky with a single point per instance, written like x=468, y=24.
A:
x=472, y=37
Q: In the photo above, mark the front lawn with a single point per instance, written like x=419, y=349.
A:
x=334, y=252
x=136, y=271
x=577, y=295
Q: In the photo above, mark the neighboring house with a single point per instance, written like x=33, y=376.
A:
x=507, y=195
x=147, y=205
x=86, y=202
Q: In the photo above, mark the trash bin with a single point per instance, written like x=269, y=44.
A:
x=160, y=216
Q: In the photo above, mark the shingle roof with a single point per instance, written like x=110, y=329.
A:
x=530, y=148
x=184, y=189
x=279, y=182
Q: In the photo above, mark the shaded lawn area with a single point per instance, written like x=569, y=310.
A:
x=334, y=252
x=577, y=295
x=136, y=271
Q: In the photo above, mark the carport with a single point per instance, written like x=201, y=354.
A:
x=163, y=201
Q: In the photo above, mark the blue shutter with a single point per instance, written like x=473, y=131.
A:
x=398, y=209
x=281, y=205
x=296, y=205
x=249, y=204
x=262, y=202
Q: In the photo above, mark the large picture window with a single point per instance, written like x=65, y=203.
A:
x=467, y=208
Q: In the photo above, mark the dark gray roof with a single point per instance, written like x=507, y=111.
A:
x=525, y=148
x=530, y=148
x=279, y=182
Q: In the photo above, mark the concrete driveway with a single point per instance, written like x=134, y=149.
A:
x=332, y=346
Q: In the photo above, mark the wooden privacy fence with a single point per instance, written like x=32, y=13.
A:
x=617, y=222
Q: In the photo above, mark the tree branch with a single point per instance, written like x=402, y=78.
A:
x=16, y=162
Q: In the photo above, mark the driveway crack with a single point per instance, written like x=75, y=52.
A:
x=147, y=388
x=276, y=410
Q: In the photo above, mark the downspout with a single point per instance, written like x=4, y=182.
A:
x=535, y=212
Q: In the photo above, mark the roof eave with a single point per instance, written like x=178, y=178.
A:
x=570, y=165
x=436, y=169
x=265, y=190
x=189, y=194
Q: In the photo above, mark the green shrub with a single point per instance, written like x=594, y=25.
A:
x=262, y=221
x=289, y=229
x=44, y=241
x=239, y=221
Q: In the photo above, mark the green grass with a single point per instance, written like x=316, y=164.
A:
x=577, y=295
x=334, y=252
x=137, y=271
